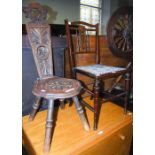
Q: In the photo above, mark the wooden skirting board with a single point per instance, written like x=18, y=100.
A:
x=113, y=136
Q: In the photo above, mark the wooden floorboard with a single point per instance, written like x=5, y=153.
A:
x=69, y=138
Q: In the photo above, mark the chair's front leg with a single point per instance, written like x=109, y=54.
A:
x=34, y=108
x=49, y=125
x=127, y=90
x=96, y=102
x=81, y=113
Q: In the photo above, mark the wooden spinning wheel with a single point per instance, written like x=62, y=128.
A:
x=120, y=32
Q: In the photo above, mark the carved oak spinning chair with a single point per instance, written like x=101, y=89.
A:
x=49, y=86
x=84, y=49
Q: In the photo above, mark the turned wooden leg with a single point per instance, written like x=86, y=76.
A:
x=34, y=108
x=49, y=121
x=81, y=113
x=91, y=96
x=96, y=103
x=127, y=90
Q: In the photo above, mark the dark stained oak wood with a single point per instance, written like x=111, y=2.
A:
x=83, y=50
x=47, y=85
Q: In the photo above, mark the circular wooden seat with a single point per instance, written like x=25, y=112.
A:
x=56, y=88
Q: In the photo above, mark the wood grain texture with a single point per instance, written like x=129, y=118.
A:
x=69, y=138
x=118, y=143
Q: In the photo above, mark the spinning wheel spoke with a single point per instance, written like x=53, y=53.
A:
x=116, y=33
x=118, y=26
x=121, y=22
x=120, y=43
x=124, y=45
x=118, y=40
x=126, y=21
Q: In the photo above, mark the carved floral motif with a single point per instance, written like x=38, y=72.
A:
x=36, y=12
x=40, y=42
x=60, y=84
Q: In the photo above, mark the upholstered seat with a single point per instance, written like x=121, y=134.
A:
x=99, y=70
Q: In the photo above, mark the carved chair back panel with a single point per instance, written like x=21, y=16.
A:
x=40, y=41
x=80, y=42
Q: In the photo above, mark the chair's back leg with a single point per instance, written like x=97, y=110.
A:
x=34, y=108
x=81, y=113
x=129, y=65
x=127, y=90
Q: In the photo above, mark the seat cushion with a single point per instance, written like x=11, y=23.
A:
x=56, y=87
x=99, y=69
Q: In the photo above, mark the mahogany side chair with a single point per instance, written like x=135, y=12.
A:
x=47, y=85
x=84, y=54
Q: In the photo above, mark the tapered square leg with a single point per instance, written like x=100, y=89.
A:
x=34, y=108
x=81, y=113
x=49, y=125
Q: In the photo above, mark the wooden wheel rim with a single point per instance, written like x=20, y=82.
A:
x=120, y=32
